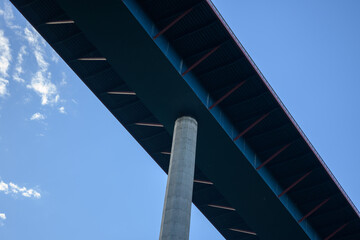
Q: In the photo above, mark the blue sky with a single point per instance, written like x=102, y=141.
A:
x=69, y=170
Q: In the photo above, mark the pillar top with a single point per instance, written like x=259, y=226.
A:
x=187, y=118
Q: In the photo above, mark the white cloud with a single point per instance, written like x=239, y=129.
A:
x=18, y=68
x=41, y=80
x=42, y=85
x=15, y=188
x=12, y=188
x=2, y=219
x=63, y=79
x=8, y=15
x=62, y=110
x=41, y=61
x=54, y=56
x=5, y=55
x=4, y=187
x=34, y=39
x=18, y=71
x=5, y=58
x=37, y=116
x=31, y=193
x=3, y=87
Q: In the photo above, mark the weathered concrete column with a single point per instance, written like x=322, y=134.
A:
x=175, y=224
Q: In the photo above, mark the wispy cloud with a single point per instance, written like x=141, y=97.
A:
x=42, y=85
x=12, y=188
x=39, y=55
x=4, y=187
x=5, y=55
x=8, y=15
x=18, y=68
x=3, y=87
x=41, y=80
x=63, y=79
x=37, y=116
x=54, y=56
x=5, y=58
x=2, y=219
x=62, y=110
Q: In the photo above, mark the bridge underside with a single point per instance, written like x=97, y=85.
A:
x=150, y=62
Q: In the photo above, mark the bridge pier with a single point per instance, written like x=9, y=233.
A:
x=175, y=224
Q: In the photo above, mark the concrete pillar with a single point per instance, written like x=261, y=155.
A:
x=175, y=224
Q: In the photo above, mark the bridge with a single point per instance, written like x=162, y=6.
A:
x=177, y=78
